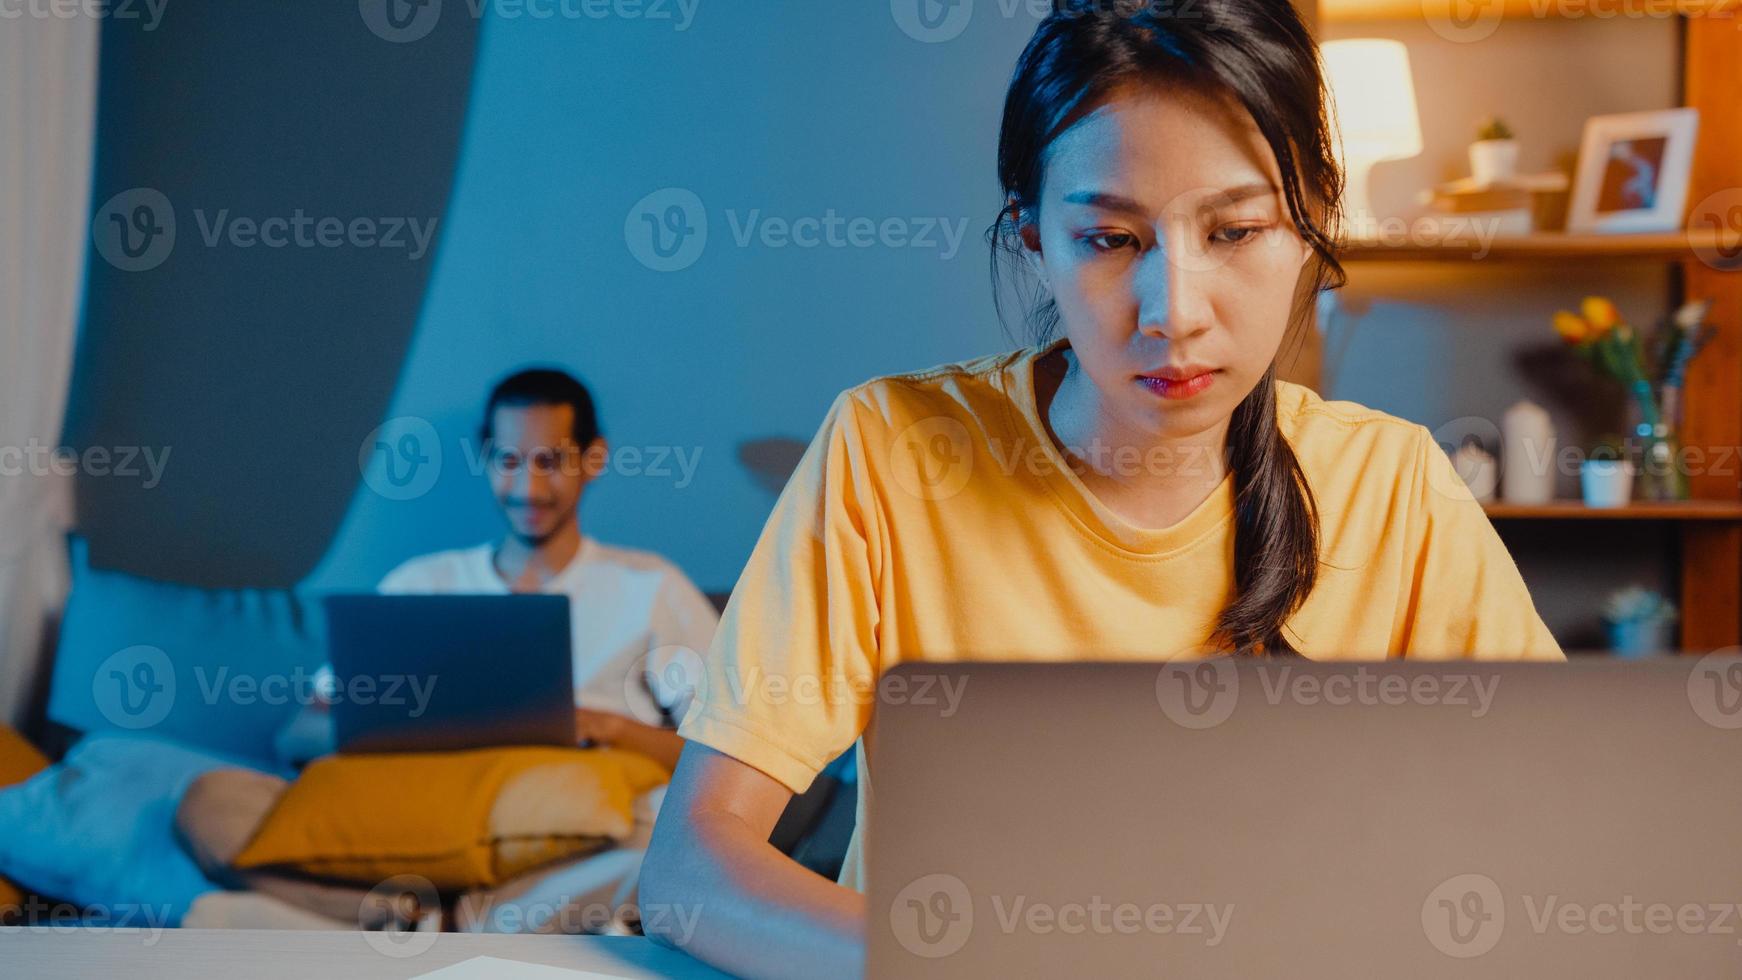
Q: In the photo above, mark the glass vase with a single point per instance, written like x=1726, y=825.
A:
x=1662, y=470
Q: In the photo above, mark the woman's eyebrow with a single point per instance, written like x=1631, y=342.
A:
x=1243, y=191
x=1104, y=200
x=1109, y=201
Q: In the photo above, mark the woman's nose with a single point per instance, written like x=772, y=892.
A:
x=1173, y=294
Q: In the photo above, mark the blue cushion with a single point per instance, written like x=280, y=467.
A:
x=98, y=829
x=218, y=668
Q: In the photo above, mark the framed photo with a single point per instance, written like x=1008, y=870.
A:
x=1633, y=172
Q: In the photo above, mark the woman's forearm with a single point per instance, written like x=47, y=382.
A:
x=729, y=898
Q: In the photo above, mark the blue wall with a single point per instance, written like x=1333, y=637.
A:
x=787, y=109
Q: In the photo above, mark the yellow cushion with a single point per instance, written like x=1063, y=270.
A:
x=460, y=819
x=19, y=760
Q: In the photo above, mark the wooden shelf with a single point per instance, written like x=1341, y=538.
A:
x=1663, y=246
x=1574, y=510
x=1710, y=62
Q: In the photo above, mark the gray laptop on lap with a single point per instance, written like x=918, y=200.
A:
x=427, y=673
x=1298, y=819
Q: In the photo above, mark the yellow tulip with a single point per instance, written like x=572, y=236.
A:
x=1572, y=327
x=1600, y=313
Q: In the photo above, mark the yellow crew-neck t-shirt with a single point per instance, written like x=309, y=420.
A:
x=933, y=518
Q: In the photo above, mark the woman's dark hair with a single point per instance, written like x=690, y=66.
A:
x=1260, y=53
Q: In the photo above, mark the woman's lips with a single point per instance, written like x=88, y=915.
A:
x=1181, y=388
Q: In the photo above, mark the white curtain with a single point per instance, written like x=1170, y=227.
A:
x=48, y=90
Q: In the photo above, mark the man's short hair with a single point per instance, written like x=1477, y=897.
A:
x=543, y=386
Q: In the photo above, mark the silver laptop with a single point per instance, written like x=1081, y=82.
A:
x=1241, y=819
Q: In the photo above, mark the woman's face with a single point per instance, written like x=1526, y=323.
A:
x=1166, y=244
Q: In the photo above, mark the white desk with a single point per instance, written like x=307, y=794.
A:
x=44, y=952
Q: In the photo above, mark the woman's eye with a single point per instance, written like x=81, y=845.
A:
x=1110, y=241
x=1236, y=235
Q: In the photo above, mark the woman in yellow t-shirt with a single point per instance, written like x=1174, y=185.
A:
x=1138, y=485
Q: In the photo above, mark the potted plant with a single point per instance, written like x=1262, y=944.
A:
x=1639, y=622
x=1606, y=475
x=1494, y=155
x=1652, y=369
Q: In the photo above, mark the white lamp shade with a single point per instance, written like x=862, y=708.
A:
x=1373, y=99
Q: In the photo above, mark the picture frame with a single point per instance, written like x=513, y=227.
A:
x=1633, y=172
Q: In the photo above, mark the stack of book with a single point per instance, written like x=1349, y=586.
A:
x=1516, y=206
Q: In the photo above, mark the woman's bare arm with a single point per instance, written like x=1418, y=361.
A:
x=713, y=886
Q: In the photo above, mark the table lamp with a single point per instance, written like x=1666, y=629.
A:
x=1373, y=114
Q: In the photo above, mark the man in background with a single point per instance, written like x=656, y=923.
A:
x=638, y=628
x=631, y=612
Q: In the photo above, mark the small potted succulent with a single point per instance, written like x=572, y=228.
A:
x=1494, y=155
x=1639, y=621
x=1606, y=475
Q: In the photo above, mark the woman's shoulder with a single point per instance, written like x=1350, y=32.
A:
x=1305, y=416
x=1345, y=441
x=979, y=388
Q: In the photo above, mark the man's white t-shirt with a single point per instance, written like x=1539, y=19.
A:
x=638, y=626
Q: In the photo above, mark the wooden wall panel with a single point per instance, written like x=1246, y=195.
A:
x=1712, y=557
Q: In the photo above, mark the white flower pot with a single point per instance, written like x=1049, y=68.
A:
x=1493, y=160
x=1607, y=483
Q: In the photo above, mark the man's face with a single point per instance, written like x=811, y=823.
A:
x=537, y=472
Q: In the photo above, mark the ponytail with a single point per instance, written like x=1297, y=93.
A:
x=1276, y=529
